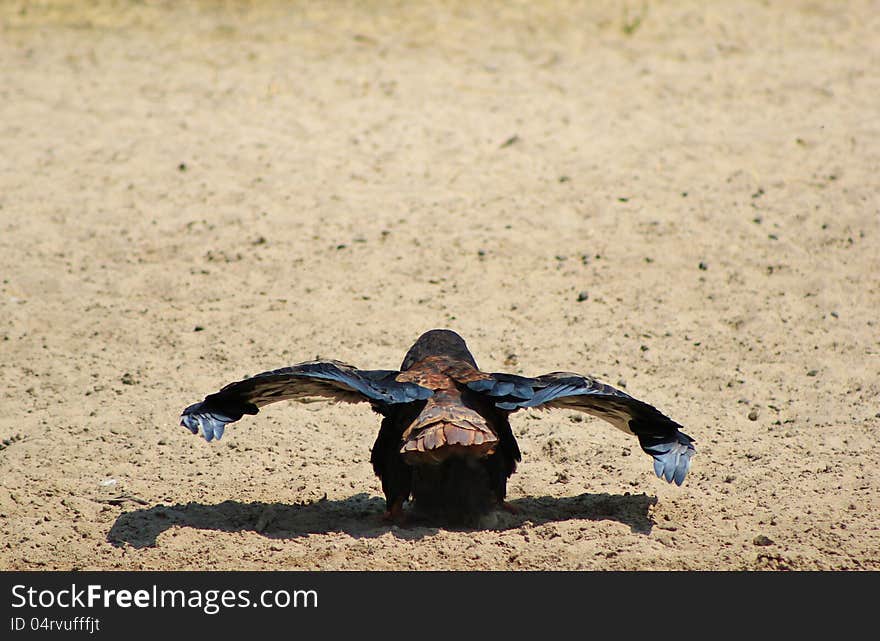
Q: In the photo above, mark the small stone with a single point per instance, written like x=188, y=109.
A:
x=510, y=141
x=753, y=415
x=582, y=296
x=812, y=372
x=762, y=540
x=703, y=266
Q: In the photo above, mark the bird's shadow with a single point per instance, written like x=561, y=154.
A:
x=359, y=517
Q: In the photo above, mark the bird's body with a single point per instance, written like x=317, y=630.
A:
x=455, y=455
x=445, y=440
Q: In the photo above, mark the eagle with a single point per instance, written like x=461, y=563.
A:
x=445, y=442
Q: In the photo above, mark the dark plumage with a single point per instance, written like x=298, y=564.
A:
x=445, y=440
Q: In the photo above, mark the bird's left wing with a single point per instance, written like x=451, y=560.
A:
x=658, y=434
x=314, y=380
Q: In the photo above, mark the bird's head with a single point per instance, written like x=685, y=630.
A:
x=438, y=342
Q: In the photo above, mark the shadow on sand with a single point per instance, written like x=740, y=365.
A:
x=359, y=516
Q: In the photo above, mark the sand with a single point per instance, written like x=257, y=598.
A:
x=679, y=198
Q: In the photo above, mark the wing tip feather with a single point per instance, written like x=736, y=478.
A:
x=211, y=422
x=672, y=457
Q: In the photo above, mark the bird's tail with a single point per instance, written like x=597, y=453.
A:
x=442, y=430
x=438, y=441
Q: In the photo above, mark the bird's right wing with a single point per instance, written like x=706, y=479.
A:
x=310, y=381
x=658, y=434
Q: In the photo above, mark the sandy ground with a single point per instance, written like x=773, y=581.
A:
x=189, y=195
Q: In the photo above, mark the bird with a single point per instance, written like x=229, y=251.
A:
x=445, y=443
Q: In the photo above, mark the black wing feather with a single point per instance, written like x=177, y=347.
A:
x=314, y=380
x=658, y=434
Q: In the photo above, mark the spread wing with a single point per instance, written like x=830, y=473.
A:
x=314, y=380
x=658, y=434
